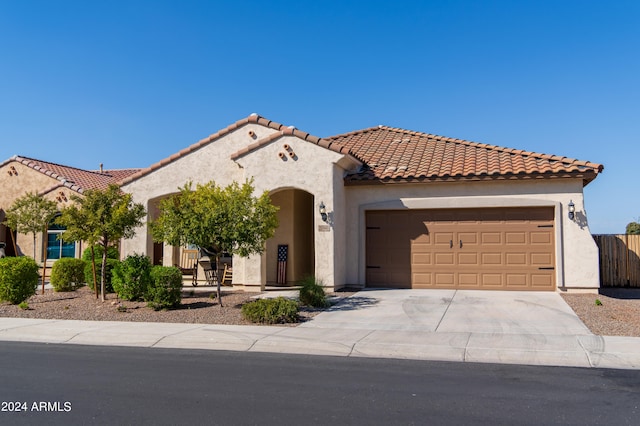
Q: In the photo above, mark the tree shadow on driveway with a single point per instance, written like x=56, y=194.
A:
x=353, y=303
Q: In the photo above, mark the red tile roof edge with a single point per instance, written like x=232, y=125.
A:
x=253, y=118
x=566, y=160
x=41, y=166
x=586, y=176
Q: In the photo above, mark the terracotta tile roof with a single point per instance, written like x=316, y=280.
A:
x=392, y=154
x=388, y=154
x=76, y=179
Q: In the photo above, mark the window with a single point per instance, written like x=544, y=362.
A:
x=57, y=248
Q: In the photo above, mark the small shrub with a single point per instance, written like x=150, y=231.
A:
x=598, y=302
x=165, y=288
x=18, y=278
x=312, y=294
x=67, y=274
x=271, y=311
x=24, y=306
x=88, y=273
x=131, y=277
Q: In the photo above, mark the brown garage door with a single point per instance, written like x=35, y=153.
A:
x=492, y=248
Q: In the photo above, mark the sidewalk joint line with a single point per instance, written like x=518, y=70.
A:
x=201, y=326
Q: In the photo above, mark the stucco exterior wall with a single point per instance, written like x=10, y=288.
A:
x=312, y=169
x=309, y=168
x=576, y=251
x=211, y=162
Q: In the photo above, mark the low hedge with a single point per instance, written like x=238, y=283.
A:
x=165, y=288
x=132, y=276
x=67, y=274
x=18, y=278
x=278, y=310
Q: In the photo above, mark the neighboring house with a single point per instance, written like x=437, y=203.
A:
x=20, y=175
x=387, y=207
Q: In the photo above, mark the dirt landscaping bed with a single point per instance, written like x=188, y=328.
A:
x=616, y=314
x=197, y=307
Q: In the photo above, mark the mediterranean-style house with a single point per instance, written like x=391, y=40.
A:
x=387, y=207
x=21, y=175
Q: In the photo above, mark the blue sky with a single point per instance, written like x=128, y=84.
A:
x=127, y=83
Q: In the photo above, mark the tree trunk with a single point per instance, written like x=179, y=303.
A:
x=34, y=246
x=103, y=273
x=13, y=239
x=93, y=267
x=44, y=263
x=218, y=280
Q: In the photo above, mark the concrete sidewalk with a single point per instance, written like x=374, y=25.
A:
x=466, y=326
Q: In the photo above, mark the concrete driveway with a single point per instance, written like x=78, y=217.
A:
x=454, y=311
x=470, y=325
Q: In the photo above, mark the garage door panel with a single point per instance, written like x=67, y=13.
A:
x=423, y=259
x=444, y=279
x=468, y=259
x=443, y=238
x=468, y=238
x=487, y=238
x=541, y=237
x=493, y=248
x=491, y=259
x=512, y=238
x=491, y=280
x=517, y=259
x=422, y=279
x=541, y=280
x=541, y=259
x=442, y=259
x=516, y=280
x=468, y=280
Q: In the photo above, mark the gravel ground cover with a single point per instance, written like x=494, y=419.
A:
x=617, y=314
x=199, y=307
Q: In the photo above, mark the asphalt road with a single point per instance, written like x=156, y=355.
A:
x=69, y=384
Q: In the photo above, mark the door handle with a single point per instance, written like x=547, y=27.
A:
x=450, y=243
x=460, y=243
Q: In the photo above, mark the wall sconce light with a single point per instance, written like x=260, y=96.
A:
x=323, y=212
x=572, y=210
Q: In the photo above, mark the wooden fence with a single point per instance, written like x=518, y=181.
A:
x=619, y=260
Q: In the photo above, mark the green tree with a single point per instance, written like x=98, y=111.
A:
x=230, y=220
x=103, y=217
x=633, y=228
x=32, y=214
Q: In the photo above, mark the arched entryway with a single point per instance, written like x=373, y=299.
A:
x=295, y=232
